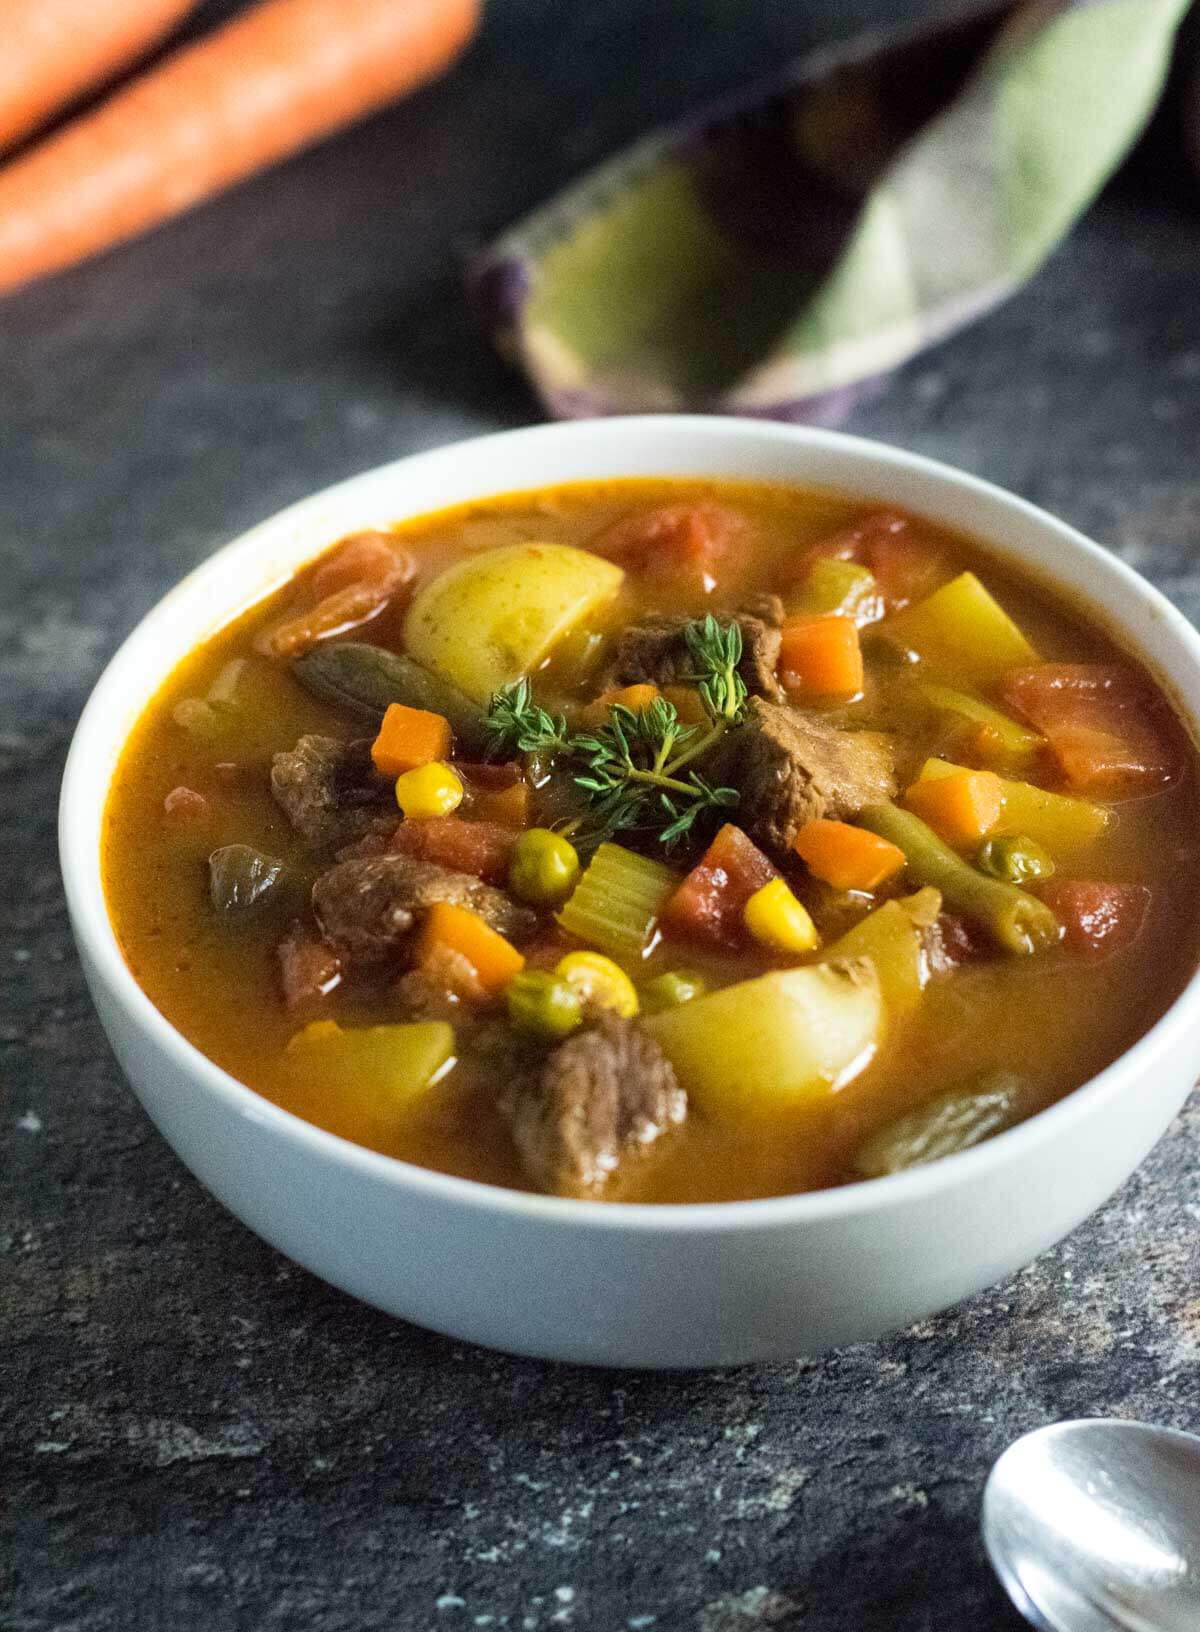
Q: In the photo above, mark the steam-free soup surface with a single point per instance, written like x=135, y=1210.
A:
x=1023, y=1025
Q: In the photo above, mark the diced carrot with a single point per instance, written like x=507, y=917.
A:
x=632, y=697
x=687, y=541
x=484, y=848
x=1098, y=919
x=821, y=657
x=363, y=558
x=710, y=903
x=409, y=737
x=1109, y=732
x=686, y=702
x=961, y=808
x=508, y=806
x=457, y=929
x=847, y=857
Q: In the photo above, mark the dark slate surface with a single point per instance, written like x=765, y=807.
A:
x=195, y=1434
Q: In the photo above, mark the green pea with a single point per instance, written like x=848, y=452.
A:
x=669, y=991
x=543, y=1004
x=1014, y=858
x=544, y=867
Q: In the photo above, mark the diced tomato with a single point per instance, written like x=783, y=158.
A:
x=482, y=848
x=1108, y=731
x=685, y=541
x=905, y=565
x=1097, y=919
x=952, y=941
x=710, y=902
x=363, y=558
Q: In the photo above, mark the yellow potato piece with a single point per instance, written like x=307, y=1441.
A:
x=775, y=1045
x=492, y=618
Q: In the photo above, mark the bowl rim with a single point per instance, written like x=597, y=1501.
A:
x=97, y=942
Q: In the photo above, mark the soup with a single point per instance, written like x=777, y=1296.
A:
x=660, y=841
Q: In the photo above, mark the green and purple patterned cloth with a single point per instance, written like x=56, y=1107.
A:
x=775, y=254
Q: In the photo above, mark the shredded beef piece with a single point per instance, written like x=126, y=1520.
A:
x=367, y=907
x=308, y=968
x=791, y=767
x=601, y=1098
x=656, y=650
x=330, y=791
x=439, y=985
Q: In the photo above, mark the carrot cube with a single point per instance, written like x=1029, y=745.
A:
x=849, y=858
x=409, y=737
x=962, y=808
x=820, y=657
x=631, y=697
x=457, y=929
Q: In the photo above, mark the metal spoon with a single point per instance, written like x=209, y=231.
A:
x=1094, y=1526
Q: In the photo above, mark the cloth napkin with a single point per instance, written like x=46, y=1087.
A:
x=773, y=254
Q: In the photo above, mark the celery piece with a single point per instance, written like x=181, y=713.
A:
x=891, y=938
x=780, y=1043
x=963, y=633
x=617, y=902
x=1017, y=742
x=842, y=589
x=944, y=1125
x=1060, y=822
x=1016, y=921
x=385, y=1066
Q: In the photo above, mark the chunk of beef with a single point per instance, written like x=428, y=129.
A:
x=600, y=1099
x=309, y=969
x=439, y=985
x=330, y=791
x=791, y=767
x=367, y=907
x=656, y=650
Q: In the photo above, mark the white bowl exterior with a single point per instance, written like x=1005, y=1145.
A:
x=604, y=1284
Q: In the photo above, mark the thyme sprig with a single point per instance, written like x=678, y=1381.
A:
x=634, y=769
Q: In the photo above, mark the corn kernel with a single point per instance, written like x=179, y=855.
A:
x=776, y=919
x=600, y=981
x=430, y=790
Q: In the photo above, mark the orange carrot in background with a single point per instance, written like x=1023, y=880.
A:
x=267, y=84
x=52, y=50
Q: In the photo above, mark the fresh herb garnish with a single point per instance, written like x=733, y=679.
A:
x=634, y=768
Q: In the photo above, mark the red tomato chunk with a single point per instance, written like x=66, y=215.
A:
x=1106, y=729
x=709, y=904
x=1097, y=919
x=482, y=848
x=681, y=540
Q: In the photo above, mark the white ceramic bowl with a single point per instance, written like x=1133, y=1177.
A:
x=613, y=1284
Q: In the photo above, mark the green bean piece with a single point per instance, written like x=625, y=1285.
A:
x=364, y=679
x=944, y=1125
x=1015, y=858
x=1017, y=921
x=543, y=1005
x=670, y=990
x=240, y=878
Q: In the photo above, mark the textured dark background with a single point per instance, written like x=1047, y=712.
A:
x=194, y=1433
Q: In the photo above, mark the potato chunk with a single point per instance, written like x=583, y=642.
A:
x=494, y=617
x=774, y=1045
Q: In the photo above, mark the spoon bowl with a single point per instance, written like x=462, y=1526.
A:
x=1094, y=1526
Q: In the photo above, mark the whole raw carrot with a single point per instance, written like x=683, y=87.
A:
x=51, y=50
x=265, y=85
